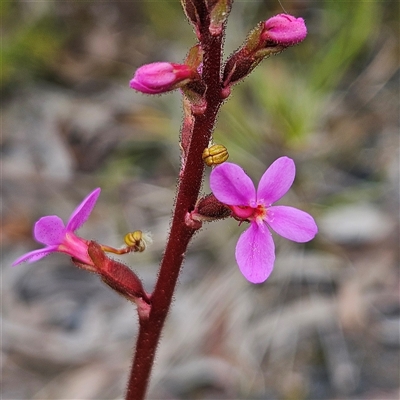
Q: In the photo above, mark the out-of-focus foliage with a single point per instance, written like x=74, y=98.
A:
x=31, y=44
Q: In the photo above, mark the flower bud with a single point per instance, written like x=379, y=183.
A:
x=160, y=77
x=208, y=208
x=266, y=39
x=284, y=29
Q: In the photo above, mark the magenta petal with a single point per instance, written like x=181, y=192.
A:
x=291, y=223
x=255, y=253
x=82, y=212
x=284, y=29
x=35, y=255
x=232, y=186
x=49, y=230
x=134, y=84
x=160, y=77
x=276, y=181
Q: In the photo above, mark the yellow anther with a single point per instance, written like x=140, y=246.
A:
x=137, y=240
x=214, y=155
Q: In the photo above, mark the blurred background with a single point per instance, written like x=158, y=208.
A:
x=324, y=326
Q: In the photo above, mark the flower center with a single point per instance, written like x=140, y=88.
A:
x=249, y=213
x=76, y=247
x=259, y=214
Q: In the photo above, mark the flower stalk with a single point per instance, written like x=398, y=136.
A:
x=188, y=191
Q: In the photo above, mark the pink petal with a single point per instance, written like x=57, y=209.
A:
x=291, y=223
x=76, y=247
x=135, y=84
x=255, y=253
x=276, y=181
x=160, y=77
x=49, y=230
x=284, y=29
x=35, y=255
x=232, y=186
x=82, y=212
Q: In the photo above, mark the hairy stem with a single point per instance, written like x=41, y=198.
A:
x=180, y=234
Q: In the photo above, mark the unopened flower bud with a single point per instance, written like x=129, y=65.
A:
x=284, y=29
x=267, y=38
x=209, y=208
x=162, y=77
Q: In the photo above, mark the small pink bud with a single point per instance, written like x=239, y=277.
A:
x=284, y=29
x=161, y=77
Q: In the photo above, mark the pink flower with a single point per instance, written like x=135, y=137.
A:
x=160, y=77
x=50, y=231
x=255, y=250
x=284, y=29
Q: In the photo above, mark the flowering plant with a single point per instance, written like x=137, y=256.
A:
x=50, y=230
x=205, y=83
x=255, y=250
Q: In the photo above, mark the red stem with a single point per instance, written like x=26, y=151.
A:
x=180, y=234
